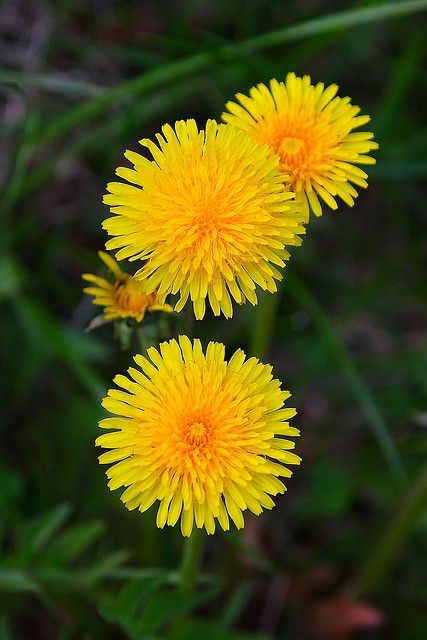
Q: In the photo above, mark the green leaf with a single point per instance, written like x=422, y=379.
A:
x=73, y=542
x=78, y=580
x=108, y=565
x=328, y=492
x=11, y=277
x=236, y=604
x=166, y=605
x=207, y=630
x=47, y=336
x=125, y=608
x=134, y=595
x=39, y=531
x=142, y=610
x=12, y=487
x=17, y=581
x=5, y=629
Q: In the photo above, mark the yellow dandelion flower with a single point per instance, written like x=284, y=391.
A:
x=205, y=438
x=312, y=131
x=209, y=216
x=125, y=298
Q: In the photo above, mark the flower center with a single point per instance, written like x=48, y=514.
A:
x=129, y=296
x=206, y=223
x=197, y=433
x=305, y=156
x=305, y=142
x=291, y=147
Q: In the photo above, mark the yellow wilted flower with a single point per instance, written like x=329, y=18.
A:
x=312, y=132
x=209, y=216
x=125, y=297
x=205, y=438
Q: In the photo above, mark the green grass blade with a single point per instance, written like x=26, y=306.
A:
x=5, y=633
x=334, y=22
x=17, y=174
x=186, y=67
x=154, y=106
x=403, y=74
x=51, y=83
x=39, y=531
x=412, y=508
x=46, y=335
x=138, y=86
x=236, y=604
x=297, y=289
x=17, y=581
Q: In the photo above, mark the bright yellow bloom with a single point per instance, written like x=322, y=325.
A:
x=209, y=216
x=125, y=298
x=312, y=131
x=204, y=437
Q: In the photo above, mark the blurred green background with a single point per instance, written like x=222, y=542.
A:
x=344, y=554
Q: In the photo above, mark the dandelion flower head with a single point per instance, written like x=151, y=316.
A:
x=311, y=129
x=205, y=438
x=209, y=216
x=123, y=298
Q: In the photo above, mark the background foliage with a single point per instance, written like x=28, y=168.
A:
x=82, y=81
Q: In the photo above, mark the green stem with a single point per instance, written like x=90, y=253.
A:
x=186, y=321
x=395, y=535
x=123, y=333
x=147, y=336
x=163, y=328
x=263, y=324
x=190, y=561
x=296, y=288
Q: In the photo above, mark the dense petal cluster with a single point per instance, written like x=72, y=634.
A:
x=205, y=438
x=311, y=129
x=125, y=297
x=209, y=216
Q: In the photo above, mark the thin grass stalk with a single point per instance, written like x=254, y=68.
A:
x=19, y=166
x=302, y=295
x=153, y=106
x=396, y=534
x=186, y=67
x=335, y=22
x=51, y=83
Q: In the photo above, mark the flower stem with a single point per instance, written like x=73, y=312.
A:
x=147, y=336
x=263, y=324
x=395, y=535
x=190, y=561
x=186, y=321
x=123, y=333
